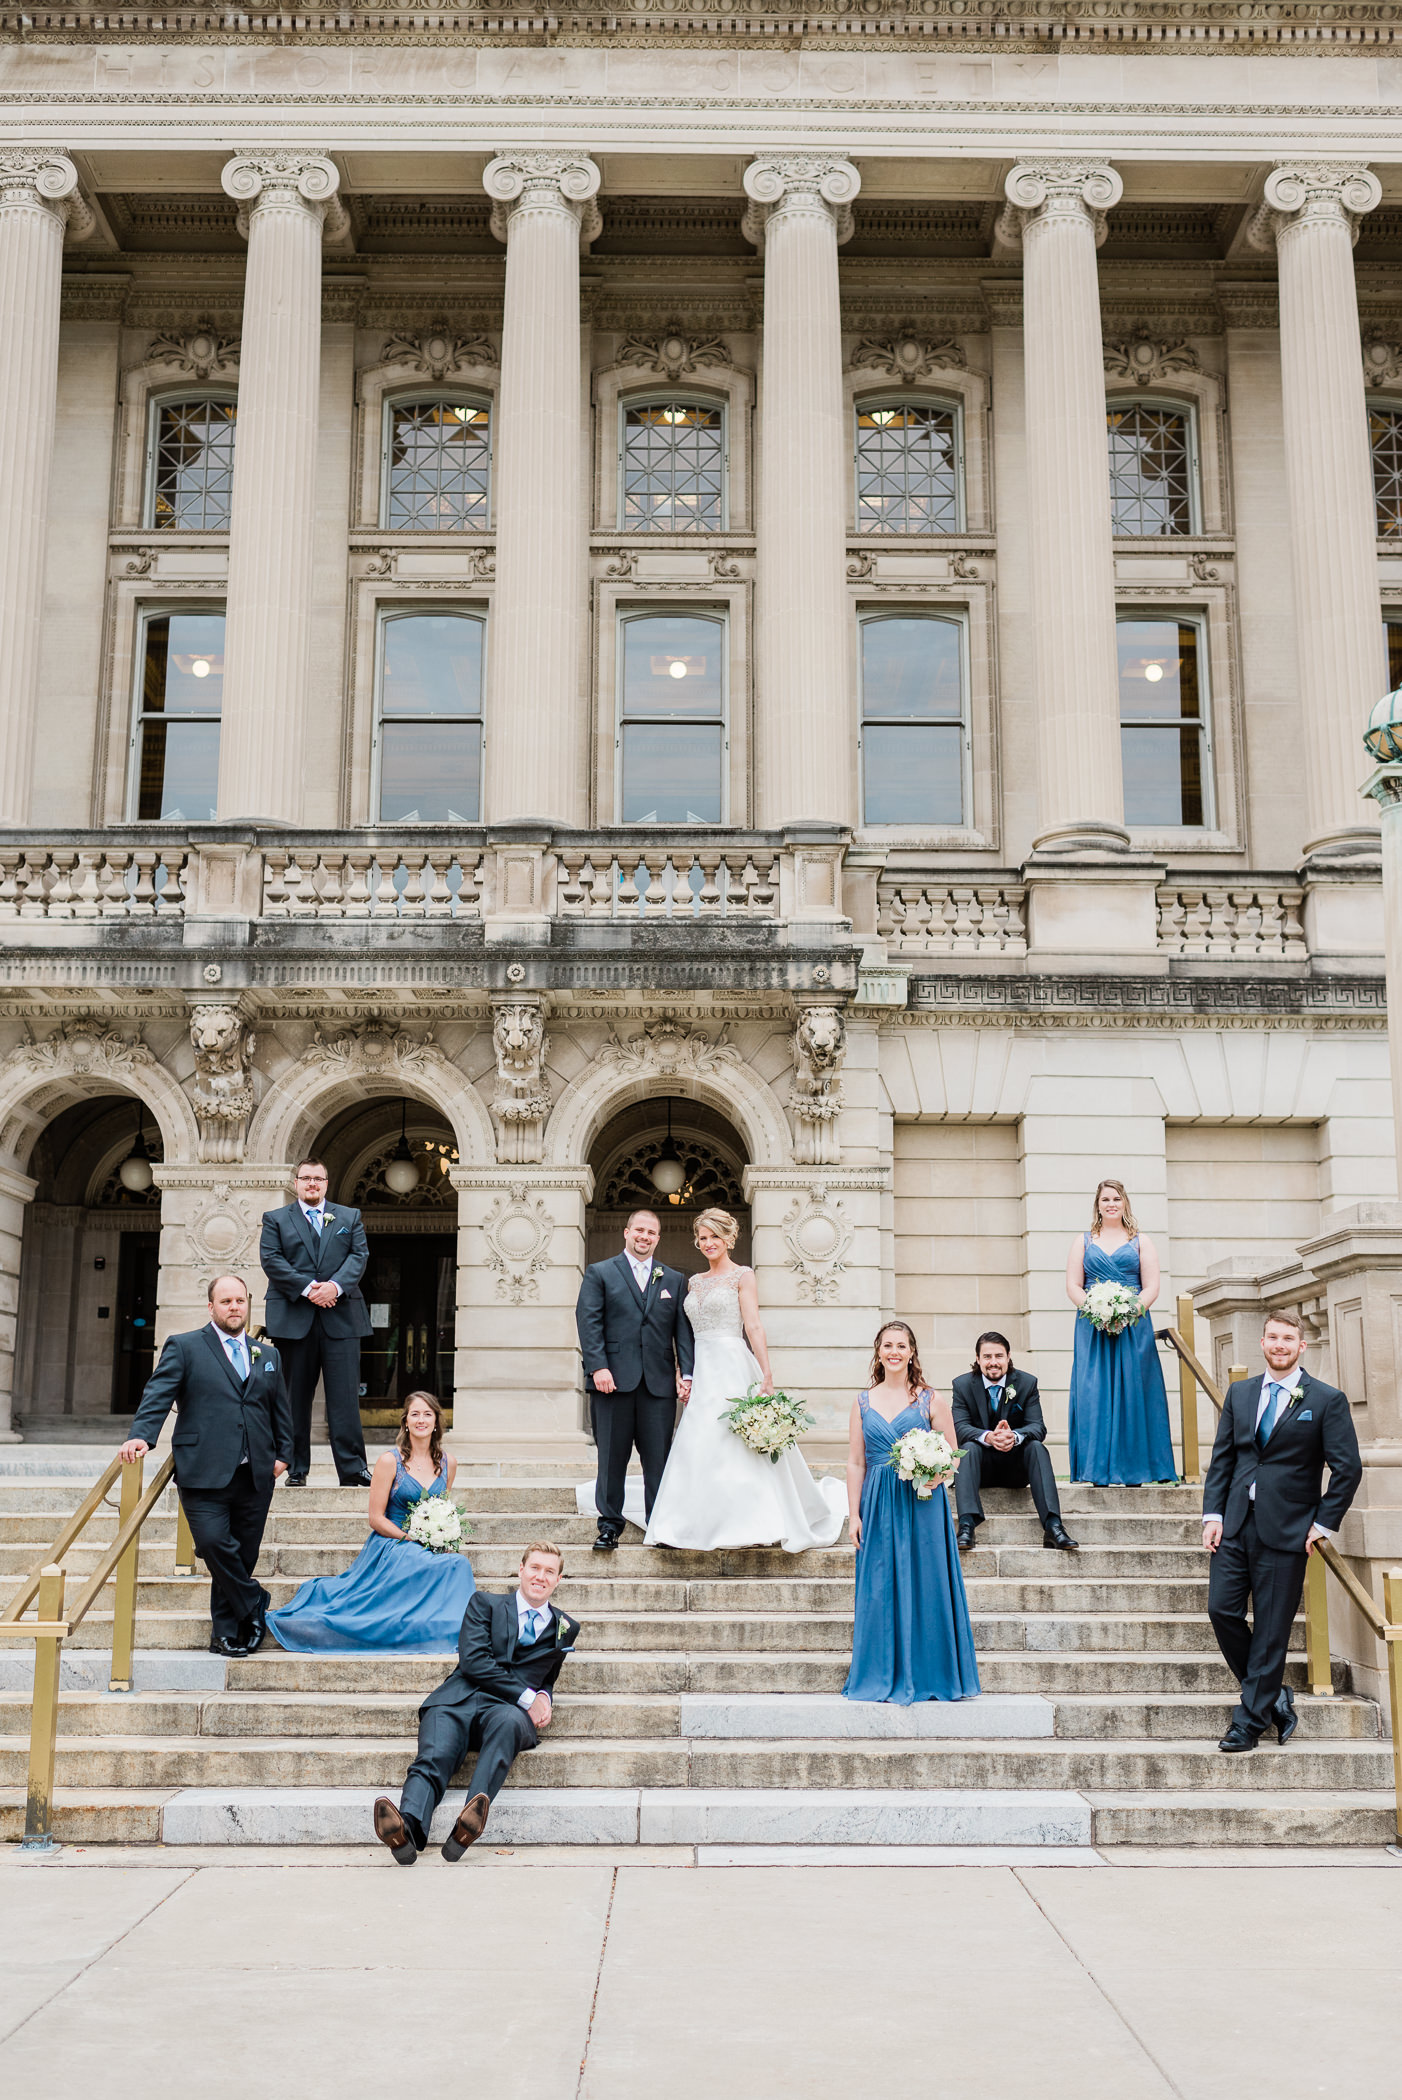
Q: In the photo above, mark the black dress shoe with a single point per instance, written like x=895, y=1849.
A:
x=1237, y=1738
x=965, y=1538
x=606, y=1542
x=468, y=1828
x=392, y=1830
x=1055, y=1534
x=232, y=1651
x=295, y=1480
x=1284, y=1715
x=356, y=1480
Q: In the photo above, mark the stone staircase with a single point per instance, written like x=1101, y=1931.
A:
x=678, y=1721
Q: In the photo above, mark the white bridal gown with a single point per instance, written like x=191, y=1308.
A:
x=715, y=1492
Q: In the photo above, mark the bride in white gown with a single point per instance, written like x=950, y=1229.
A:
x=716, y=1493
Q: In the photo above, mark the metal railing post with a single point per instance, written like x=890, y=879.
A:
x=1392, y=1636
x=184, y=1540
x=43, y=1721
x=124, y=1605
x=1321, y=1675
x=1188, y=1396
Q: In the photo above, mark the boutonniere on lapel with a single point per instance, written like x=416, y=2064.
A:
x=1009, y=1390
x=330, y=1216
x=254, y=1351
x=657, y=1275
x=562, y=1639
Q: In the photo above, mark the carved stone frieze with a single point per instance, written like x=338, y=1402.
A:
x=819, y=1051
x=1148, y=359
x=223, y=1228
x=818, y=1234
x=438, y=352
x=522, y=1100
x=518, y=1230
x=203, y=350
x=82, y=1046
x=1382, y=359
x=667, y=1048
x=674, y=353
x=223, y=1046
x=375, y=1048
x=907, y=356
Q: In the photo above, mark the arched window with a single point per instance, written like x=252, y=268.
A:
x=176, y=773
x=1153, y=469
x=1164, y=747
x=671, y=466
x=190, y=464
x=671, y=727
x=1385, y=443
x=429, y=726
x=910, y=469
x=437, y=465
x=915, y=743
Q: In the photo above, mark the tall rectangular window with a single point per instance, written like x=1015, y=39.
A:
x=437, y=466
x=190, y=478
x=909, y=470
x=1163, y=723
x=1385, y=444
x=1392, y=641
x=672, y=466
x=177, y=731
x=914, y=720
x=1153, y=470
x=430, y=718
x=671, y=732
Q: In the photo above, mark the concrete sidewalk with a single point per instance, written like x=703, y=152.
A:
x=141, y=1974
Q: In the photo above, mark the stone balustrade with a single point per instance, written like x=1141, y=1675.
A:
x=670, y=880
x=110, y=880
x=944, y=917
x=1247, y=922
x=383, y=882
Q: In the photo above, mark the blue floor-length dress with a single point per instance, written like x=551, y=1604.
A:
x=394, y=1595
x=1119, y=1432
x=911, y=1638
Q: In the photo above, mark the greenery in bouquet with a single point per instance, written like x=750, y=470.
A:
x=924, y=1459
x=768, y=1423
x=438, y=1525
x=1111, y=1307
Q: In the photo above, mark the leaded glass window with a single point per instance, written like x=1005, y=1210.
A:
x=908, y=467
x=1163, y=723
x=1385, y=440
x=430, y=717
x=672, y=471
x=439, y=461
x=914, y=735
x=177, y=730
x=192, y=465
x=671, y=734
x=1152, y=493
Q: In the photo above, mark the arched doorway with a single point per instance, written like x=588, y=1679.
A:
x=410, y=1284
x=90, y=1263
x=712, y=1155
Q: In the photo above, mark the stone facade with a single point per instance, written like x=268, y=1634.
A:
x=904, y=1049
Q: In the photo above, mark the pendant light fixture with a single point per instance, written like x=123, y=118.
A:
x=402, y=1174
x=668, y=1174
x=134, y=1173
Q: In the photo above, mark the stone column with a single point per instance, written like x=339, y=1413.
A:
x=544, y=210
x=286, y=197
x=37, y=192
x=800, y=209
x=1057, y=209
x=1311, y=216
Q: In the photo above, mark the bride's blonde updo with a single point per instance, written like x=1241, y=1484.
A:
x=720, y=1223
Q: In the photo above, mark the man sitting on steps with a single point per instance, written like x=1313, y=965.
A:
x=510, y=1651
x=998, y=1421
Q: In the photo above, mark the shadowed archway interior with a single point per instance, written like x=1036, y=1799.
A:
x=713, y=1159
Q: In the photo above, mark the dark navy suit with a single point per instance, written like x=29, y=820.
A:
x=319, y=1341
x=643, y=1339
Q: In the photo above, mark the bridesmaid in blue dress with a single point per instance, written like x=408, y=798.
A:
x=1119, y=1432
x=395, y=1596
x=911, y=1638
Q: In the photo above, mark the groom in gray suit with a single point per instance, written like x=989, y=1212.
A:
x=638, y=1352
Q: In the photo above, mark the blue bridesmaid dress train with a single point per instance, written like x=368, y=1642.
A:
x=911, y=1638
x=394, y=1596
x=1118, y=1429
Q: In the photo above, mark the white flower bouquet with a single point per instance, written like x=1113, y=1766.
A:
x=437, y=1524
x=767, y=1423
x=1111, y=1307
x=925, y=1459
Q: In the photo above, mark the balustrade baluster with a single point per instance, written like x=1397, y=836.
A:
x=709, y=902
x=438, y=898
x=143, y=901
x=1291, y=905
x=114, y=873
x=384, y=889
x=412, y=902
x=275, y=885
x=9, y=882
x=87, y=891
x=34, y=879
x=331, y=886
x=355, y=885
x=656, y=899
x=173, y=894
x=61, y=887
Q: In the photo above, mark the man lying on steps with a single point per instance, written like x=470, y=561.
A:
x=510, y=1651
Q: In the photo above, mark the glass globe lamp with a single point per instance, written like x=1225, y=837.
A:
x=1383, y=736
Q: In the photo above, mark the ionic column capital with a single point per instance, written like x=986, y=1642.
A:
x=42, y=178
x=1301, y=192
x=823, y=182
x=276, y=177
x=534, y=180
x=1059, y=187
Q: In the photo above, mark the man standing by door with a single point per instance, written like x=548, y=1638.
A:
x=638, y=1349
x=314, y=1254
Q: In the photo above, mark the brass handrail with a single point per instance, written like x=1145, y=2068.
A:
x=51, y=1627
x=1386, y=1624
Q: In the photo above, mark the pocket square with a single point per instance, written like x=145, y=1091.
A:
x=1307, y=1416
x=666, y=1294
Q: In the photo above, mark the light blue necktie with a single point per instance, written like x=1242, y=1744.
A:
x=532, y=1629
x=1271, y=1415
x=314, y=1220
x=238, y=1354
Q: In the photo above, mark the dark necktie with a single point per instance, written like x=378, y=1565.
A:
x=1270, y=1415
x=995, y=1398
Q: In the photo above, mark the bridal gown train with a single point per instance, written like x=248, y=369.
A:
x=715, y=1492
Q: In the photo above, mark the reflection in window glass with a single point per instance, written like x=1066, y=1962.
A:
x=907, y=468
x=1392, y=638
x=672, y=732
x=913, y=734
x=1151, y=471
x=192, y=479
x=439, y=457
x=181, y=695
x=1385, y=442
x=673, y=467
x=430, y=731
x=1163, y=731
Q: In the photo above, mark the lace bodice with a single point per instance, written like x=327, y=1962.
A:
x=713, y=1304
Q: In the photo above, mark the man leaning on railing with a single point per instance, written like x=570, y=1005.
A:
x=232, y=1438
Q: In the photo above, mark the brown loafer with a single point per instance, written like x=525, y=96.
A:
x=468, y=1828
x=392, y=1830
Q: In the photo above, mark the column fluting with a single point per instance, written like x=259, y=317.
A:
x=286, y=197
x=38, y=188
x=1311, y=217
x=1057, y=207
x=536, y=731
x=800, y=210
